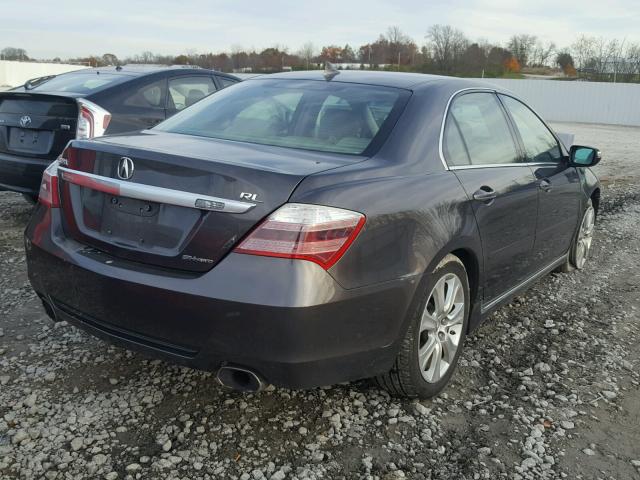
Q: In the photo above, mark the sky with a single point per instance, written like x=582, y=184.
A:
x=70, y=28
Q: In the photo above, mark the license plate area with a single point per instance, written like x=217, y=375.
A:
x=30, y=141
x=132, y=206
x=131, y=223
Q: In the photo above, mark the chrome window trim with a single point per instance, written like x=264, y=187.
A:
x=551, y=131
x=446, y=113
x=492, y=165
x=168, y=196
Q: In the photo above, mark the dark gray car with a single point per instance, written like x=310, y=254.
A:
x=305, y=229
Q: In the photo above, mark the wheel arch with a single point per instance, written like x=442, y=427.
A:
x=469, y=252
x=595, y=199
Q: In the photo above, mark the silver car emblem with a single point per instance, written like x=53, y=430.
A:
x=125, y=168
x=25, y=121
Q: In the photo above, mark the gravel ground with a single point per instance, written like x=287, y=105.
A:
x=548, y=387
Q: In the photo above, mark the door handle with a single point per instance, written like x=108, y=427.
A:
x=485, y=194
x=544, y=185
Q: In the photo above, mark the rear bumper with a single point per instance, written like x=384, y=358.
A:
x=21, y=174
x=288, y=321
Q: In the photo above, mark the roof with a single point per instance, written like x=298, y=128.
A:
x=409, y=81
x=137, y=70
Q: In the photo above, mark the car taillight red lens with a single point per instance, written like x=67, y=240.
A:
x=307, y=232
x=93, y=120
x=49, y=195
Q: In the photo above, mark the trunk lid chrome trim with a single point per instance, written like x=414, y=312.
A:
x=150, y=193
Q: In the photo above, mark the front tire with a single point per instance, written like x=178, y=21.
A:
x=581, y=245
x=430, y=349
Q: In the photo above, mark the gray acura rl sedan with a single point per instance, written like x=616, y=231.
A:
x=304, y=229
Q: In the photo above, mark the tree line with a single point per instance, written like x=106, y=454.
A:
x=445, y=50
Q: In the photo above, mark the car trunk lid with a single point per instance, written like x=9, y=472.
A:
x=176, y=201
x=36, y=125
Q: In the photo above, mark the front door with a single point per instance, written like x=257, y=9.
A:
x=480, y=148
x=558, y=184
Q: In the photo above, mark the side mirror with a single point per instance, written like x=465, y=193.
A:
x=580, y=156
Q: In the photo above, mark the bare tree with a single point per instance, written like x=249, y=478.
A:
x=584, y=51
x=630, y=64
x=12, y=53
x=606, y=55
x=522, y=46
x=447, y=46
x=307, y=52
x=237, y=55
x=395, y=35
x=542, y=53
x=109, y=59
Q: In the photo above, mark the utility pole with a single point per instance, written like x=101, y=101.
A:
x=398, y=61
x=369, y=57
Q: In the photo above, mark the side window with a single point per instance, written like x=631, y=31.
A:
x=483, y=129
x=455, y=151
x=147, y=95
x=185, y=91
x=539, y=144
x=226, y=82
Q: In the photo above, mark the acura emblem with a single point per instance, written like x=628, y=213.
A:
x=25, y=121
x=125, y=168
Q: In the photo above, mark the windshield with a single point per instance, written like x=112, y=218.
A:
x=79, y=82
x=312, y=115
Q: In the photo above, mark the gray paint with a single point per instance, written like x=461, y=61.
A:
x=291, y=321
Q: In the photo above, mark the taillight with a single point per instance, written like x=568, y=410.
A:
x=93, y=120
x=49, y=195
x=308, y=232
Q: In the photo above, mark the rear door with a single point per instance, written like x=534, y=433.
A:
x=184, y=91
x=136, y=105
x=479, y=146
x=558, y=184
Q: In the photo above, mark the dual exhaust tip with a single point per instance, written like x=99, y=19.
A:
x=240, y=379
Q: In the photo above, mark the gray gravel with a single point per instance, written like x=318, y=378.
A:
x=548, y=388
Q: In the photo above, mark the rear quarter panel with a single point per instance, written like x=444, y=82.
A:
x=412, y=222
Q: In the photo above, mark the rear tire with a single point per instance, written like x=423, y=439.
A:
x=432, y=345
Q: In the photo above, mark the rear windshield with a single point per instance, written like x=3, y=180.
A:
x=79, y=82
x=312, y=115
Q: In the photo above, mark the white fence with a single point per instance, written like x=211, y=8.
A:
x=13, y=73
x=587, y=102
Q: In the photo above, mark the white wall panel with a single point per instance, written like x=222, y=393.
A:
x=587, y=102
x=13, y=73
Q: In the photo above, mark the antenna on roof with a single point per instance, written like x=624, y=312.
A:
x=330, y=71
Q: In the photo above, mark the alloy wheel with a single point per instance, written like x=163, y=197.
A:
x=585, y=237
x=441, y=328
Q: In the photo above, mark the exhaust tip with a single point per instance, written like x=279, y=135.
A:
x=240, y=379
